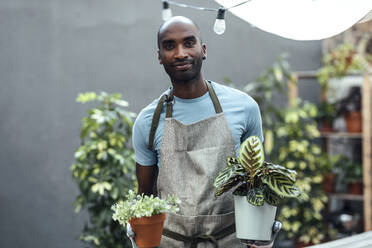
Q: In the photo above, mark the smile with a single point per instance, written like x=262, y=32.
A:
x=182, y=66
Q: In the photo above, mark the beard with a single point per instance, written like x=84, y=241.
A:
x=183, y=77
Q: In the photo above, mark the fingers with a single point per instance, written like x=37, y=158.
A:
x=130, y=232
x=131, y=235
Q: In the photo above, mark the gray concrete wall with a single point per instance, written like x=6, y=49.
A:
x=52, y=50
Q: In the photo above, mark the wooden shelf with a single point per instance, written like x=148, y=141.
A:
x=341, y=135
x=345, y=196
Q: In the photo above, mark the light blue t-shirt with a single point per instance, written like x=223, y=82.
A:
x=241, y=111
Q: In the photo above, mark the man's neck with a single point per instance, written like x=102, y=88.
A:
x=191, y=89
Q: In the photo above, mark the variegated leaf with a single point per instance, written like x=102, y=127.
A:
x=224, y=176
x=255, y=196
x=281, y=185
x=232, y=182
x=251, y=155
x=275, y=168
x=242, y=190
x=271, y=197
x=232, y=161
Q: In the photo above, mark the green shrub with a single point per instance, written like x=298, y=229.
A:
x=105, y=167
x=290, y=140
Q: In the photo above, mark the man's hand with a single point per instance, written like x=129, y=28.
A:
x=131, y=235
x=277, y=226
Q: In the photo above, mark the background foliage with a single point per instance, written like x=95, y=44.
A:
x=104, y=170
x=290, y=140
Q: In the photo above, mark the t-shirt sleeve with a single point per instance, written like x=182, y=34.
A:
x=141, y=130
x=254, y=122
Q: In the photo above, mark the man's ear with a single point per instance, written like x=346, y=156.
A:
x=159, y=59
x=204, y=50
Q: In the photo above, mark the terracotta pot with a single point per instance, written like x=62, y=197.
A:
x=354, y=122
x=148, y=230
x=326, y=126
x=355, y=188
x=329, y=182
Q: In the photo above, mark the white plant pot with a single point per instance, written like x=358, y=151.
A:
x=253, y=222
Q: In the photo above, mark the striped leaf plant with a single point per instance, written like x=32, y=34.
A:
x=257, y=180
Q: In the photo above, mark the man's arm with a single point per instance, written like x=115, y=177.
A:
x=147, y=178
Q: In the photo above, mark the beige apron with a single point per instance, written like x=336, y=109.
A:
x=191, y=157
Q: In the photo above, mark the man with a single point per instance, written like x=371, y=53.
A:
x=182, y=139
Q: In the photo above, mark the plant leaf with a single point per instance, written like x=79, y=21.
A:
x=232, y=161
x=281, y=184
x=228, y=185
x=255, y=197
x=224, y=176
x=271, y=197
x=242, y=190
x=251, y=155
x=275, y=168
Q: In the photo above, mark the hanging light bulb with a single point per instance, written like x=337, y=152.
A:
x=167, y=12
x=220, y=25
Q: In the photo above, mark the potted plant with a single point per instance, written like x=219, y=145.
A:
x=146, y=215
x=350, y=108
x=326, y=115
x=258, y=188
x=343, y=60
x=353, y=177
x=329, y=164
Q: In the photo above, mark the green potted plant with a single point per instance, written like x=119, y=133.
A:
x=350, y=108
x=337, y=64
x=104, y=169
x=146, y=215
x=258, y=188
x=326, y=115
x=329, y=164
x=353, y=177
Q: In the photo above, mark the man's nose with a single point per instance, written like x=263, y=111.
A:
x=181, y=52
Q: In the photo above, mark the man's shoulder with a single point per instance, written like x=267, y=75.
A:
x=146, y=114
x=227, y=93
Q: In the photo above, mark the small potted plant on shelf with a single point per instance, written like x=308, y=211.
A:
x=326, y=115
x=146, y=215
x=350, y=108
x=329, y=164
x=353, y=177
x=258, y=188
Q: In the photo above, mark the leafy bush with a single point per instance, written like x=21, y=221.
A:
x=105, y=167
x=290, y=139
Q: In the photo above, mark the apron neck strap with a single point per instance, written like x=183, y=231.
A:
x=168, y=98
x=216, y=102
x=212, y=94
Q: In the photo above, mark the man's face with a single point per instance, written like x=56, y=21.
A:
x=181, y=52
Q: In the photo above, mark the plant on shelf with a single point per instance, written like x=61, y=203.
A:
x=337, y=64
x=353, y=176
x=326, y=115
x=290, y=139
x=350, y=108
x=330, y=164
x=105, y=168
x=146, y=215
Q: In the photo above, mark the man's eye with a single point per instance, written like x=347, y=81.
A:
x=168, y=46
x=189, y=43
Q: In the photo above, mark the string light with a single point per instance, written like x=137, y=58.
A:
x=219, y=25
x=166, y=12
